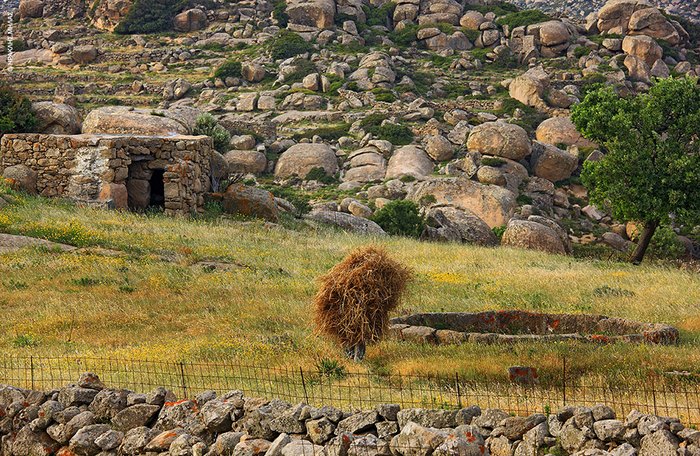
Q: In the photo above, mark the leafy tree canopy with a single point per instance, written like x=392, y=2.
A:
x=651, y=170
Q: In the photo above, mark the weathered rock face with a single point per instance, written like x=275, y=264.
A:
x=456, y=225
x=57, y=118
x=127, y=120
x=500, y=139
x=84, y=54
x=530, y=88
x=366, y=165
x=299, y=159
x=347, y=222
x=108, y=14
x=250, y=201
x=638, y=17
x=561, y=130
x=190, y=20
x=22, y=177
x=31, y=8
x=614, y=16
x=409, y=161
x=312, y=13
x=494, y=205
x=246, y=161
x=532, y=235
x=642, y=47
x=551, y=163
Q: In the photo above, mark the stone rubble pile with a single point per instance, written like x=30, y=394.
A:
x=88, y=419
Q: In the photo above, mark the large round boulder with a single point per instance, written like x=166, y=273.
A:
x=190, y=20
x=527, y=234
x=643, y=47
x=312, y=13
x=366, y=165
x=246, y=161
x=31, y=8
x=531, y=87
x=553, y=33
x=614, y=16
x=134, y=121
x=21, y=177
x=299, y=159
x=652, y=22
x=409, y=161
x=492, y=204
x=250, y=201
x=56, y=118
x=561, y=130
x=452, y=224
x=551, y=163
x=84, y=54
x=500, y=139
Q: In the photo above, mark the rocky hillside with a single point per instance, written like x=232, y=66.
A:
x=688, y=9
x=341, y=107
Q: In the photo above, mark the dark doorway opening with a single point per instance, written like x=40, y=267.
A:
x=157, y=189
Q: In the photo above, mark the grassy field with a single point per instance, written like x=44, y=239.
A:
x=153, y=299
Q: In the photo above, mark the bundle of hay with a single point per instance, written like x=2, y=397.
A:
x=356, y=296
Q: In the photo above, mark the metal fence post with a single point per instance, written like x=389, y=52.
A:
x=563, y=379
x=653, y=391
x=31, y=366
x=182, y=378
x=303, y=384
x=459, y=393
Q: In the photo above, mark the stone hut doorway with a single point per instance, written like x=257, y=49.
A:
x=157, y=197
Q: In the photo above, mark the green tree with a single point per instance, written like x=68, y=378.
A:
x=650, y=171
x=400, y=218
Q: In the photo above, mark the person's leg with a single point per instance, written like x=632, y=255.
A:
x=360, y=352
x=350, y=352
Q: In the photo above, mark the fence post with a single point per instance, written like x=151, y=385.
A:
x=303, y=384
x=182, y=379
x=563, y=379
x=653, y=391
x=31, y=366
x=459, y=393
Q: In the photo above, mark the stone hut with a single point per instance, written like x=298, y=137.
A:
x=116, y=171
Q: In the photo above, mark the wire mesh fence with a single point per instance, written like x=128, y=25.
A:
x=673, y=396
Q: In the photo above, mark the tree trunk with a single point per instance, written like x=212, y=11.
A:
x=644, y=240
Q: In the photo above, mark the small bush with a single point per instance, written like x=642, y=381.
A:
x=406, y=36
x=25, y=340
x=492, y=161
x=385, y=95
x=302, y=68
x=229, y=69
x=381, y=15
x=150, y=16
x=319, y=174
x=396, y=134
x=288, y=44
x=498, y=231
x=207, y=125
x=581, y=51
x=523, y=18
x=329, y=133
x=279, y=12
x=331, y=369
x=16, y=115
x=665, y=244
x=400, y=218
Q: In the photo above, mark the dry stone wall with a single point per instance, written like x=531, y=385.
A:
x=88, y=419
x=113, y=169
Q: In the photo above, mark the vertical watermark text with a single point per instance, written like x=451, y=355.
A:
x=10, y=34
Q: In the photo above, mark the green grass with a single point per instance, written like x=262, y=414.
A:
x=153, y=301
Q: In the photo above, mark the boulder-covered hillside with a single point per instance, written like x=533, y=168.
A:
x=340, y=107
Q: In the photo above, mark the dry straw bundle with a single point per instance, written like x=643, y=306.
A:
x=357, y=295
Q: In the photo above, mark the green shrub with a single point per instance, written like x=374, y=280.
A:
x=396, y=134
x=381, y=94
x=288, y=44
x=381, y=15
x=229, y=69
x=498, y=8
x=302, y=68
x=406, y=36
x=150, y=16
x=207, y=125
x=665, y=244
x=492, y=161
x=279, y=12
x=473, y=35
x=523, y=18
x=498, y=231
x=319, y=174
x=592, y=83
x=400, y=218
x=16, y=114
x=581, y=51
x=328, y=133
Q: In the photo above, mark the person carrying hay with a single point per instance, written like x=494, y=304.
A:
x=355, y=298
